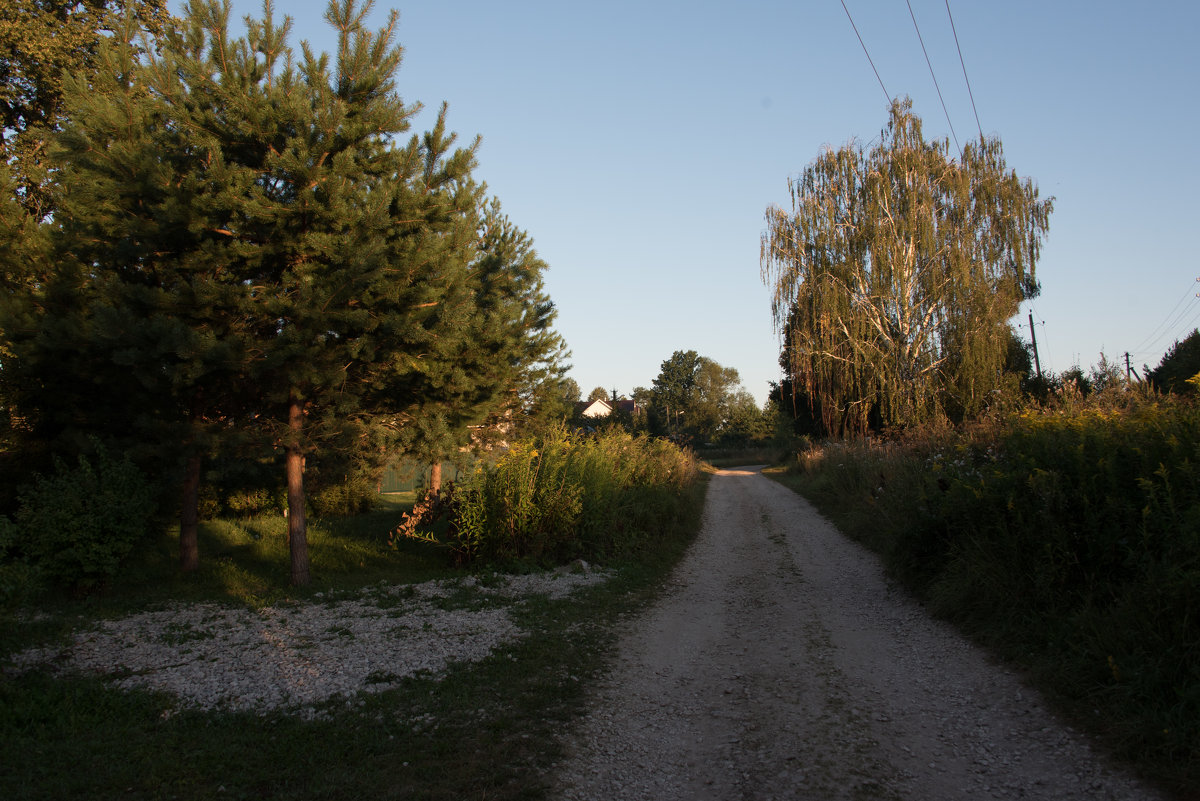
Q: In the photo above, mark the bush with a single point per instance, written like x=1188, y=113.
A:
x=17, y=576
x=565, y=496
x=79, y=524
x=249, y=503
x=356, y=494
x=1067, y=538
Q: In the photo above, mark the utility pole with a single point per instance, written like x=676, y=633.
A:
x=1129, y=369
x=1033, y=338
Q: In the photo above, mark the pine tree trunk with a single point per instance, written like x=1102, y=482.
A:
x=297, y=526
x=189, y=516
x=435, y=477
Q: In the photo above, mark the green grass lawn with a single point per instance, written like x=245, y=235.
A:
x=482, y=730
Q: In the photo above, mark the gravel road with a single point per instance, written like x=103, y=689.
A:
x=782, y=663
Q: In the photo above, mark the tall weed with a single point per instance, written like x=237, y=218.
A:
x=1069, y=538
x=567, y=495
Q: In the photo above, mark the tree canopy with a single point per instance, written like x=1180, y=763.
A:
x=693, y=398
x=247, y=255
x=1179, y=369
x=42, y=44
x=895, y=272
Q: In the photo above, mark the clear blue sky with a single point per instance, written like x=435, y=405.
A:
x=640, y=142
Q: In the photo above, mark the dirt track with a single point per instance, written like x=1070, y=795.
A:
x=783, y=664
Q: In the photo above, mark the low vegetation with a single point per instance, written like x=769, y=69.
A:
x=482, y=730
x=568, y=495
x=1067, y=538
x=77, y=525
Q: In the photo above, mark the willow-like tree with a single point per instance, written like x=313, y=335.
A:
x=895, y=273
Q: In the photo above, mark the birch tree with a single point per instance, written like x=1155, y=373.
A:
x=895, y=273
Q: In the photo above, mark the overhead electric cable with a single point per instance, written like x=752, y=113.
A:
x=1171, y=321
x=964, y=68
x=1192, y=326
x=864, y=47
x=921, y=39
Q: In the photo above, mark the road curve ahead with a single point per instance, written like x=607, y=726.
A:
x=782, y=664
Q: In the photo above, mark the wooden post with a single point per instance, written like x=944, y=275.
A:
x=1033, y=338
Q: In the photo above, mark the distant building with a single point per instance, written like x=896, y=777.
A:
x=630, y=407
x=603, y=408
x=596, y=408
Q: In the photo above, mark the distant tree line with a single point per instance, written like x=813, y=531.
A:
x=233, y=261
x=696, y=402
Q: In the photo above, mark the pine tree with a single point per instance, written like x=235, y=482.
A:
x=516, y=318
x=42, y=44
x=509, y=358
x=308, y=273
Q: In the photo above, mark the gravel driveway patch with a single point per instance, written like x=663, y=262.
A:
x=296, y=656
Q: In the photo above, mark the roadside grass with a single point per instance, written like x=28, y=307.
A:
x=480, y=731
x=1066, y=540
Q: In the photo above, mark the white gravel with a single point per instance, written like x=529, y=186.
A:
x=782, y=664
x=296, y=656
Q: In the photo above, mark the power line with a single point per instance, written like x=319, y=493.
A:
x=864, y=47
x=1171, y=321
x=1193, y=325
x=921, y=39
x=964, y=69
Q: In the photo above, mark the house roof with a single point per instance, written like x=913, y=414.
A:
x=603, y=408
x=629, y=406
x=596, y=408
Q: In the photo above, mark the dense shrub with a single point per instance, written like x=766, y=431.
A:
x=251, y=502
x=78, y=524
x=17, y=576
x=567, y=495
x=354, y=495
x=1069, y=538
